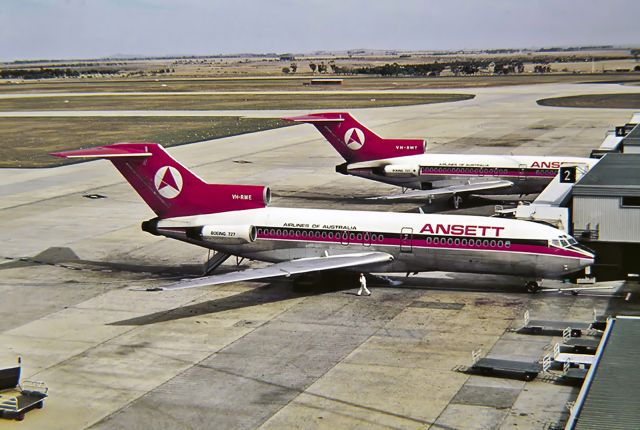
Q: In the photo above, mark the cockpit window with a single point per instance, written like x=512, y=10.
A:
x=563, y=242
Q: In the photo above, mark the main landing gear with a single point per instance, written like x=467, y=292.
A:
x=532, y=287
x=456, y=201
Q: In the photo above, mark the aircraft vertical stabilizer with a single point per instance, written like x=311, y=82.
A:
x=357, y=143
x=169, y=188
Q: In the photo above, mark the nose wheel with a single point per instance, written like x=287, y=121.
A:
x=532, y=287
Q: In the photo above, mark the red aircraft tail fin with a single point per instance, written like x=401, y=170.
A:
x=357, y=143
x=169, y=188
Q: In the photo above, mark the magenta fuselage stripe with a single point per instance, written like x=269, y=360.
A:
x=421, y=243
x=465, y=171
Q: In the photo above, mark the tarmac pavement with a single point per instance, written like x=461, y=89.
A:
x=268, y=355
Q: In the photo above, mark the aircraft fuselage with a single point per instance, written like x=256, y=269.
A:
x=418, y=242
x=529, y=174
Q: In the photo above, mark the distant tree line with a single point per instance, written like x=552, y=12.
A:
x=44, y=73
x=434, y=69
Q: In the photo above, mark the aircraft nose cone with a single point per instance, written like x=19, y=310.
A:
x=584, y=262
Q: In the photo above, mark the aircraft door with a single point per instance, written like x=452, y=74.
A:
x=521, y=172
x=406, y=239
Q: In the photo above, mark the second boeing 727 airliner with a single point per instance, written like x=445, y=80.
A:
x=403, y=162
x=235, y=220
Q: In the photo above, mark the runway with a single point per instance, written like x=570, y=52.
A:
x=261, y=355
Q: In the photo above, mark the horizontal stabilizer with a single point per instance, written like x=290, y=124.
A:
x=453, y=189
x=286, y=268
x=110, y=151
x=316, y=117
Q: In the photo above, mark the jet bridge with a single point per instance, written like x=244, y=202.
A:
x=548, y=206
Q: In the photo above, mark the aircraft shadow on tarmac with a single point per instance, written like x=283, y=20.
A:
x=274, y=292
x=336, y=282
x=285, y=289
x=66, y=258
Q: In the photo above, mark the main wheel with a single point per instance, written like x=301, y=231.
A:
x=456, y=201
x=532, y=287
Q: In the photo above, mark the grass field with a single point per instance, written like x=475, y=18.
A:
x=226, y=101
x=293, y=84
x=615, y=101
x=26, y=142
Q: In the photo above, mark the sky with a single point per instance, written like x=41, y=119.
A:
x=65, y=29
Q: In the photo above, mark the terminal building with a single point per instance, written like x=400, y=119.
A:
x=605, y=214
x=624, y=139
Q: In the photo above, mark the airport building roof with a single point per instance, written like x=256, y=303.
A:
x=633, y=137
x=610, y=393
x=614, y=175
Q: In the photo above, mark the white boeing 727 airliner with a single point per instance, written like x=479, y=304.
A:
x=235, y=220
x=403, y=162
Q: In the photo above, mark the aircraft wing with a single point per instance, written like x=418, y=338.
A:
x=578, y=289
x=451, y=189
x=286, y=268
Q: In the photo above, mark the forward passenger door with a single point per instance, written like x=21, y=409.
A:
x=406, y=239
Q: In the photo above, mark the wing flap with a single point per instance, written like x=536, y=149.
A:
x=452, y=189
x=286, y=268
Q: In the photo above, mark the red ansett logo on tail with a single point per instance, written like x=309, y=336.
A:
x=168, y=182
x=354, y=138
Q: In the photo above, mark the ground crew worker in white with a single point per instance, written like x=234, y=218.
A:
x=363, y=285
